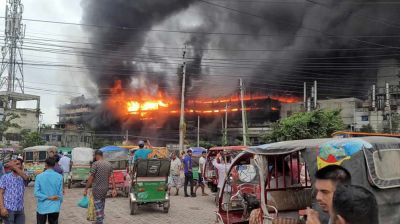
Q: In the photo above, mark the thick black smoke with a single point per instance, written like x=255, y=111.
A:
x=275, y=46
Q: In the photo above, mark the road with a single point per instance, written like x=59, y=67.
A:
x=199, y=210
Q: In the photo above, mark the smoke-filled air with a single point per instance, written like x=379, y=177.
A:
x=273, y=47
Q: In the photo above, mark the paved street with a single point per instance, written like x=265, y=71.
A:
x=183, y=210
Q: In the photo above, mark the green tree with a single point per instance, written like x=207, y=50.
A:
x=31, y=139
x=315, y=124
x=8, y=122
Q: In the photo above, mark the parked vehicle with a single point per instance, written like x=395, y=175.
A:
x=276, y=179
x=68, y=150
x=34, y=158
x=211, y=174
x=81, y=159
x=118, y=157
x=149, y=184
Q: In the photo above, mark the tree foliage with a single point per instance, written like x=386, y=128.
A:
x=203, y=144
x=306, y=125
x=8, y=122
x=395, y=120
x=31, y=139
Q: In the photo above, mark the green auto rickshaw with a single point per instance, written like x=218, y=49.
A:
x=150, y=184
x=81, y=159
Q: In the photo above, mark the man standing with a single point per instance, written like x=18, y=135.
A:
x=202, y=162
x=141, y=153
x=49, y=194
x=100, y=174
x=222, y=169
x=327, y=179
x=354, y=205
x=175, y=174
x=65, y=164
x=187, y=165
x=12, y=188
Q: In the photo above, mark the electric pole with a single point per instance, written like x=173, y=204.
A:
x=198, y=130
x=226, y=125
x=182, y=117
x=244, y=121
x=11, y=69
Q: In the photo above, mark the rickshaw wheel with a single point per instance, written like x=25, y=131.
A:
x=166, y=207
x=133, y=207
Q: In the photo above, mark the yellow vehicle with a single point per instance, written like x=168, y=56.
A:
x=34, y=158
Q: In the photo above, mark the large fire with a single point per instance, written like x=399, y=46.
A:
x=147, y=106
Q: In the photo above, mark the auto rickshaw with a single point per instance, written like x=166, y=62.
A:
x=63, y=150
x=118, y=157
x=211, y=174
x=275, y=180
x=150, y=184
x=81, y=158
x=34, y=158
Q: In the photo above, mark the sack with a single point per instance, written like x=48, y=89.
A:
x=91, y=213
x=84, y=202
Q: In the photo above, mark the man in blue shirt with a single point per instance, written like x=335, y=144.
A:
x=141, y=153
x=187, y=165
x=12, y=188
x=49, y=194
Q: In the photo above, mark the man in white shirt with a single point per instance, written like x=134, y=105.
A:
x=223, y=168
x=174, y=174
x=200, y=183
x=65, y=164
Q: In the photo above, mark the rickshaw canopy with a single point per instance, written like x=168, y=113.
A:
x=115, y=153
x=40, y=148
x=373, y=163
x=82, y=155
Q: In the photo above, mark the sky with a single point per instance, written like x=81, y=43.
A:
x=54, y=85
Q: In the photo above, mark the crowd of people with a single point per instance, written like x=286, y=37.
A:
x=339, y=202
x=184, y=165
x=48, y=190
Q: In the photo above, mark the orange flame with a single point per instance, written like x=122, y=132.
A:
x=144, y=105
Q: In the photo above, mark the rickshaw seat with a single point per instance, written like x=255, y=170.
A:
x=291, y=199
x=152, y=167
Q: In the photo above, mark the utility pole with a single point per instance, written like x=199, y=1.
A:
x=198, y=130
x=315, y=95
x=127, y=136
x=388, y=107
x=182, y=117
x=244, y=121
x=226, y=125
x=305, y=96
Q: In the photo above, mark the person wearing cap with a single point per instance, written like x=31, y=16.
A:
x=100, y=174
x=65, y=164
x=142, y=152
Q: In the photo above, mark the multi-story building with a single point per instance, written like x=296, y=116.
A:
x=75, y=115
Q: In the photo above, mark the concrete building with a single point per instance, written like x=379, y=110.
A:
x=68, y=138
x=350, y=113
x=28, y=118
x=75, y=115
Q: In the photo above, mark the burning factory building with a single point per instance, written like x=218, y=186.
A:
x=136, y=56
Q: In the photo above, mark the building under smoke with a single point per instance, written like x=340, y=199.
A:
x=274, y=47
